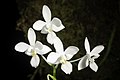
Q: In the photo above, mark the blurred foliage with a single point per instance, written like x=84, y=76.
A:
x=92, y=18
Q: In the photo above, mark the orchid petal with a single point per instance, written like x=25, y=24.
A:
x=21, y=47
x=97, y=49
x=83, y=63
x=44, y=50
x=38, y=25
x=70, y=52
x=58, y=45
x=87, y=46
x=46, y=13
x=67, y=67
x=35, y=61
x=93, y=66
x=44, y=30
x=52, y=57
x=28, y=53
x=50, y=37
x=95, y=56
x=31, y=36
x=57, y=25
x=38, y=45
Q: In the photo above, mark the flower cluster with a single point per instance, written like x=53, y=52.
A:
x=59, y=56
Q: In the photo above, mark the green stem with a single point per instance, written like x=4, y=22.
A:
x=50, y=76
x=54, y=70
x=54, y=73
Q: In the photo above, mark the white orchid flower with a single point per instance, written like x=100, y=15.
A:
x=33, y=49
x=89, y=58
x=48, y=26
x=61, y=56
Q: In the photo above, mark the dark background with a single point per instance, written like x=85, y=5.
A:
x=14, y=65
x=98, y=20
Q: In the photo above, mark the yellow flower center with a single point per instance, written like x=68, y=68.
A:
x=49, y=27
x=33, y=52
x=49, y=30
x=63, y=60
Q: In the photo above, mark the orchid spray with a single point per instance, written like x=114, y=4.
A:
x=59, y=56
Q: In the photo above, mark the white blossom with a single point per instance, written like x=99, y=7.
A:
x=33, y=49
x=48, y=26
x=89, y=58
x=62, y=57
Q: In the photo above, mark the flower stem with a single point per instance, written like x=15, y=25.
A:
x=49, y=75
x=46, y=60
x=54, y=73
x=54, y=70
x=75, y=60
